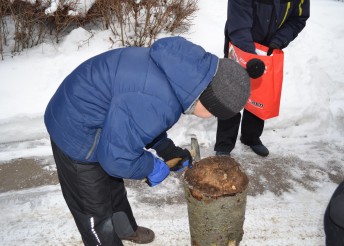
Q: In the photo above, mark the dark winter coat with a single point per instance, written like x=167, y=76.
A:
x=114, y=104
x=265, y=22
x=334, y=218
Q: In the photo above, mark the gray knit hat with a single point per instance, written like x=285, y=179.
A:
x=229, y=90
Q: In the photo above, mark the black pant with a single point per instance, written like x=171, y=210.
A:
x=227, y=131
x=97, y=201
x=334, y=229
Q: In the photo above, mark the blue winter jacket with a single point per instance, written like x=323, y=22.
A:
x=114, y=104
x=265, y=22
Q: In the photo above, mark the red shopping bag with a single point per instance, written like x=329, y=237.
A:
x=265, y=97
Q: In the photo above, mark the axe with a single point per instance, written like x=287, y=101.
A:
x=194, y=151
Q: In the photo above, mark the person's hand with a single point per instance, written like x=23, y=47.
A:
x=272, y=46
x=182, y=164
x=169, y=151
x=184, y=156
x=159, y=173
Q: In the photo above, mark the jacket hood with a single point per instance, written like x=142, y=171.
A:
x=188, y=67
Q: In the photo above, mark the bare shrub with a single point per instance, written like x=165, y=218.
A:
x=4, y=13
x=61, y=20
x=137, y=23
x=29, y=20
x=133, y=22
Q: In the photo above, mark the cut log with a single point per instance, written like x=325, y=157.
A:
x=216, y=191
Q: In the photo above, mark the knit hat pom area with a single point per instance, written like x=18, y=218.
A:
x=255, y=68
x=229, y=90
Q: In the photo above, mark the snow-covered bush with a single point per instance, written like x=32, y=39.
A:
x=29, y=24
x=4, y=12
x=138, y=22
x=132, y=22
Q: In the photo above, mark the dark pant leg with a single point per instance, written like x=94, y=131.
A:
x=227, y=130
x=227, y=133
x=91, y=196
x=122, y=215
x=251, y=128
x=226, y=46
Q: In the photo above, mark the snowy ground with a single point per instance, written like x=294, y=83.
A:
x=289, y=190
x=286, y=201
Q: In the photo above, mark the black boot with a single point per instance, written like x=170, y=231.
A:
x=141, y=236
x=226, y=153
x=259, y=148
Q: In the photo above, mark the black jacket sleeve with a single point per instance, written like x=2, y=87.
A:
x=293, y=24
x=239, y=24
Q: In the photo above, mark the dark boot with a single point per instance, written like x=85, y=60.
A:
x=226, y=153
x=259, y=148
x=141, y=236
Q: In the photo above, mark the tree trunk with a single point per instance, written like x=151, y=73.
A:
x=216, y=191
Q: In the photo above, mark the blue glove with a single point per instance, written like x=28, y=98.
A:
x=160, y=172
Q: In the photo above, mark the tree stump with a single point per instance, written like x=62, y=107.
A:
x=216, y=191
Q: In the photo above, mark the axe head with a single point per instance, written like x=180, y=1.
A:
x=195, y=152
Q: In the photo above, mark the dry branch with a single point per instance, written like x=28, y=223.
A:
x=132, y=22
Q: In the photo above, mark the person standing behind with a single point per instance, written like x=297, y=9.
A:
x=272, y=23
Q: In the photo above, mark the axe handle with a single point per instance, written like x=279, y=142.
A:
x=173, y=162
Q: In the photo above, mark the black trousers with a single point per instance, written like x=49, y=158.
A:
x=97, y=201
x=227, y=131
x=334, y=231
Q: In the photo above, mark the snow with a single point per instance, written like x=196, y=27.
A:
x=80, y=7
x=305, y=141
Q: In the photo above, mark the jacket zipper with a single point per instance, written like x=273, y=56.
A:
x=300, y=7
x=285, y=15
x=94, y=143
